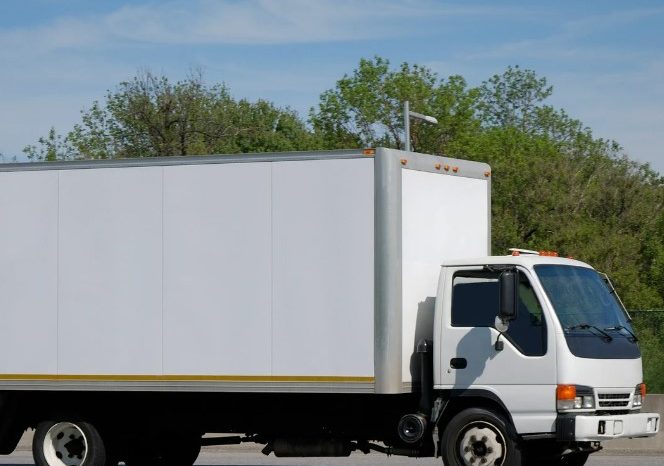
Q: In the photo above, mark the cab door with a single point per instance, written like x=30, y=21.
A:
x=523, y=374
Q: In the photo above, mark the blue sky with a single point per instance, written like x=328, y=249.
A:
x=605, y=59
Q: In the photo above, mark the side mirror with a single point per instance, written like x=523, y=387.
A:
x=508, y=295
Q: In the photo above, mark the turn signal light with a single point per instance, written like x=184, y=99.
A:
x=565, y=397
x=566, y=392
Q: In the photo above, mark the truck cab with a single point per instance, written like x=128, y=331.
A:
x=563, y=363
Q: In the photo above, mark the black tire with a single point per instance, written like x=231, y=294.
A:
x=68, y=443
x=477, y=434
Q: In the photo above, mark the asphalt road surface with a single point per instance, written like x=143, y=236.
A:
x=247, y=457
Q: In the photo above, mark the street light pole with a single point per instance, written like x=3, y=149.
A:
x=407, y=115
x=406, y=125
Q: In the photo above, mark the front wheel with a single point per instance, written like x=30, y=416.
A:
x=480, y=437
x=68, y=443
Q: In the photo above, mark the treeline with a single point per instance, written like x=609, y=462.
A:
x=555, y=186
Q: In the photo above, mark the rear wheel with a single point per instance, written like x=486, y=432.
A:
x=479, y=437
x=68, y=443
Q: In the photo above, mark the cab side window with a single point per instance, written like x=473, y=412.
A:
x=475, y=301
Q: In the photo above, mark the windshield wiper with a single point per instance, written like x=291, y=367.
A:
x=603, y=336
x=617, y=328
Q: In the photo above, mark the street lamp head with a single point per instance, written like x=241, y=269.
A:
x=420, y=116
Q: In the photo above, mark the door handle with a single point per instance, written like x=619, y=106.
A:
x=458, y=363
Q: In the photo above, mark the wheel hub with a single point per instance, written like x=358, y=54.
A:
x=65, y=445
x=481, y=444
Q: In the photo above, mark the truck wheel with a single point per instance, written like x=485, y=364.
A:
x=66, y=443
x=479, y=437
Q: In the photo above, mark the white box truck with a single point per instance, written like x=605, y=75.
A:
x=316, y=303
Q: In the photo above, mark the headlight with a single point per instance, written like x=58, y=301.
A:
x=570, y=397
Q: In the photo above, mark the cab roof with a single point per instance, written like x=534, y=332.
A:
x=524, y=260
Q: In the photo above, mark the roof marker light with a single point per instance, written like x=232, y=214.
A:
x=523, y=251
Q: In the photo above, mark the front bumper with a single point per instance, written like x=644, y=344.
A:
x=599, y=428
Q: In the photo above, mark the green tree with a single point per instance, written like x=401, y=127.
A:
x=150, y=116
x=512, y=99
x=50, y=148
x=366, y=108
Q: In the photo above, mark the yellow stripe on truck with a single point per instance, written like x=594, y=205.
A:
x=189, y=378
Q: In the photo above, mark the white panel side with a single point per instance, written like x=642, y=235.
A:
x=217, y=269
x=444, y=218
x=28, y=272
x=110, y=271
x=323, y=268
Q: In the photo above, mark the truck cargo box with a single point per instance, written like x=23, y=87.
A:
x=310, y=272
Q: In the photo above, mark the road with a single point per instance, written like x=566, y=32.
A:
x=247, y=457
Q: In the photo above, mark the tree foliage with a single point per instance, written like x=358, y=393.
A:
x=365, y=108
x=151, y=117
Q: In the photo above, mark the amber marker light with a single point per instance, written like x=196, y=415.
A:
x=404, y=161
x=565, y=396
x=437, y=166
x=447, y=168
x=369, y=152
x=455, y=169
x=487, y=174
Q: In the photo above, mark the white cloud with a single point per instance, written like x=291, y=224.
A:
x=564, y=43
x=241, y=22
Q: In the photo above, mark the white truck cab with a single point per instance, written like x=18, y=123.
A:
x=565, y=365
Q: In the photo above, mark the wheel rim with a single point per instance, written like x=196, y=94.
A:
x=65, y=444
x=481, y=443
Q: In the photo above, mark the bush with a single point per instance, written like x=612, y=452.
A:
x=649, y=326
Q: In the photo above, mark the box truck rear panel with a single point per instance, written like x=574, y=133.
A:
x=443, y=218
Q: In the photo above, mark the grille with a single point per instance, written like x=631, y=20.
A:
x=613, y=400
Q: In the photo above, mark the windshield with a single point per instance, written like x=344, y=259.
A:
x=595, y=324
